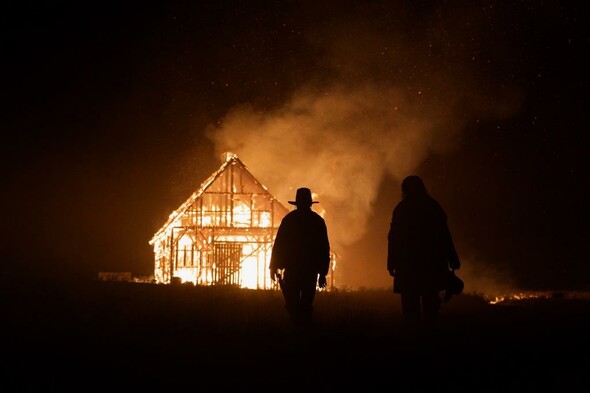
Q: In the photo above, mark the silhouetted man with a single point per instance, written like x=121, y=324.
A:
x=302, y=251
x=420, y=252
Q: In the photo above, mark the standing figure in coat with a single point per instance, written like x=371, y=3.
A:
x=301, y=252
x=420, y=253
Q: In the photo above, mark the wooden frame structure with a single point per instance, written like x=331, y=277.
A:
x=223, y=233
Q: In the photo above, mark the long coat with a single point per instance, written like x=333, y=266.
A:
x=301, y=245
x=420, y=246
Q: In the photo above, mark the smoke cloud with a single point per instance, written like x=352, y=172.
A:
x=379, y=106
x=341, y=143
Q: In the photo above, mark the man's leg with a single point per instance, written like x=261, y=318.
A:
x=411, y=309
x=291, y=293
x=430, y=307
x=308, y=289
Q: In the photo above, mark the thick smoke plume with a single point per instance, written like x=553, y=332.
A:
x=341, y=143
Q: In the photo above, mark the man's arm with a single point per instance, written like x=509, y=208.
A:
x=276, y=259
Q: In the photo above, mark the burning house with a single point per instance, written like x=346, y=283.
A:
x=223, y=233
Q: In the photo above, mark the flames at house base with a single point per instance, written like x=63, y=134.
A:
x=223, y=233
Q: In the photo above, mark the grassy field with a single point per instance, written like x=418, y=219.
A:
x=107, y=336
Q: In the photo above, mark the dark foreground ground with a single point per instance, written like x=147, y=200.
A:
x=130, y=337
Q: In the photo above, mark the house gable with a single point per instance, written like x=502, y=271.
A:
x=233, y=184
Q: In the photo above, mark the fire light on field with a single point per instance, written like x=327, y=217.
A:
x=530, y=295
x=515, y=296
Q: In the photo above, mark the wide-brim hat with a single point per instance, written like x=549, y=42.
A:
x=303, y=197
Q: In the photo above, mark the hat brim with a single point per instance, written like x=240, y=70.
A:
x=295, y=202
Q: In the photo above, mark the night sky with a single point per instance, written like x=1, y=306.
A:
x=113, y=114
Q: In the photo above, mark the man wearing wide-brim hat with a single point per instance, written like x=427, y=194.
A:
x=302, y=251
